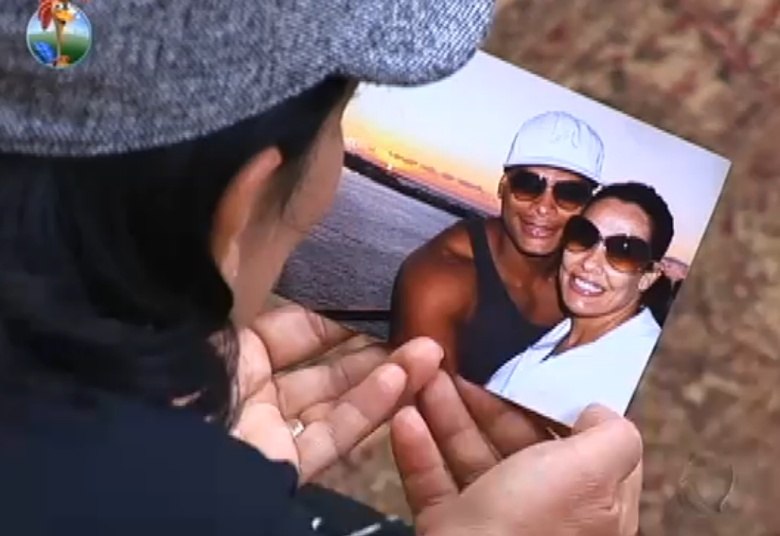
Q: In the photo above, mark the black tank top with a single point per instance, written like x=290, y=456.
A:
x=498, y=330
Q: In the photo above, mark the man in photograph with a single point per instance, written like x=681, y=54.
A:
x=485, y=289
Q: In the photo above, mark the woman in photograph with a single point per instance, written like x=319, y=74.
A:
x=610, y=266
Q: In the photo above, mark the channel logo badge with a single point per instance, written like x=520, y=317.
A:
x=59, y=34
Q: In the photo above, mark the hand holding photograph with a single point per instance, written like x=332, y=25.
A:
x=539, y=236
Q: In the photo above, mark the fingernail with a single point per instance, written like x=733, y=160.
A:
x=431, y=347
x=392, y=377
x=410, y=418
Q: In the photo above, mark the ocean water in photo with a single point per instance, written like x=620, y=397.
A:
x=349, y=261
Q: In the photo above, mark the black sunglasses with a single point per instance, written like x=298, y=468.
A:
x=625, y=253
x=569, y=195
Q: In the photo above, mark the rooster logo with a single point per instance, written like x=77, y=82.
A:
x=61, y=13
x=59, y=34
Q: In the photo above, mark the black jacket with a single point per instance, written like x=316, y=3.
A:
x=124, y=468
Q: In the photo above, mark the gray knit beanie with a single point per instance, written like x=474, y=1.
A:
x=163, y=71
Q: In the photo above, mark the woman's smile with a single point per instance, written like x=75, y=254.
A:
x=585, y=287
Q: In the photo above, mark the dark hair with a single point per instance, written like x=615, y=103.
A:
x=660, y=296
x=107, y=279
x=652, y=204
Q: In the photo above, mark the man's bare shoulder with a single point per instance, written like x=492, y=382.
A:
x=448, y=253
x=440, y=274
x=437, y=282
x=435, y=288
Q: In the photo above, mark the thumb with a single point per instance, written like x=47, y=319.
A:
x=593, y=416
x=607, y=443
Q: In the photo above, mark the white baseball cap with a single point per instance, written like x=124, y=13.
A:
x=558, y=139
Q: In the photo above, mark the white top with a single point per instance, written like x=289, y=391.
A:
x=606, y=371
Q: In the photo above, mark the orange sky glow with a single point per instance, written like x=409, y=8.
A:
x=394, y=151
x=432, y=168
x=453, y=137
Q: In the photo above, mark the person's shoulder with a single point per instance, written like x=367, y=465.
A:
x=643, y=326
x=124, y=463
x=636, y=338
x=443, y=267
x=447, y=257
x=450, y=246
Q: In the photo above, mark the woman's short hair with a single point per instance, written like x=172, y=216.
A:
x=660, y=296
x=651, y=203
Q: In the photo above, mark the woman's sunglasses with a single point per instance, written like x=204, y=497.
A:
x=569, y=195
x=624, y=253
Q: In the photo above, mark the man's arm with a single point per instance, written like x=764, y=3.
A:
x=430, y=298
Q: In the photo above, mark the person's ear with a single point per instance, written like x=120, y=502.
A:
x=649, y=278
x=236, y=207
x=501, y=186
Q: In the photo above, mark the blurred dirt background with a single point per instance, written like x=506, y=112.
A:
x=709, y=410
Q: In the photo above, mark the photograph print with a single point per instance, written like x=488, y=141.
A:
x=539, y=236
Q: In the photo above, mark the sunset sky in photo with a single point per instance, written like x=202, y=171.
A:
x=465, y=124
